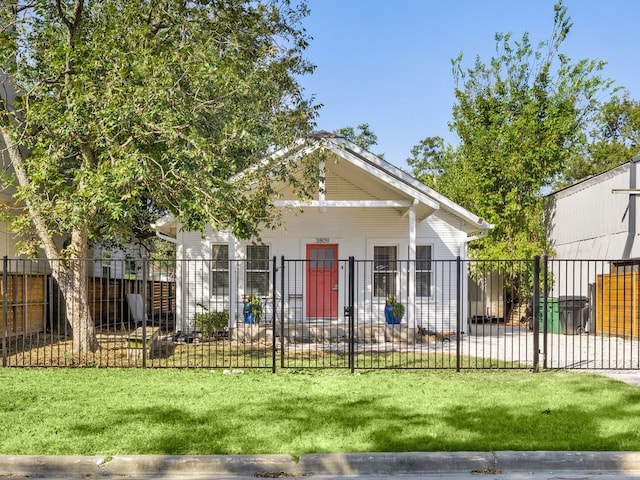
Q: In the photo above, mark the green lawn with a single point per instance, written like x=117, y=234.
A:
x=135, y=411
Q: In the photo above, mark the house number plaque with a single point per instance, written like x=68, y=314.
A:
x=323, y=240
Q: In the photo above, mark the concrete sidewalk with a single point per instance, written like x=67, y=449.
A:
x=320, y=464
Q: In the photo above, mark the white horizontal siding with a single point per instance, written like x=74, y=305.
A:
x=356, y=231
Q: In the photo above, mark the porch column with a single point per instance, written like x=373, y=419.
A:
x=464, y=286
x=322, y=187
x=411, y=293
x=233, y=280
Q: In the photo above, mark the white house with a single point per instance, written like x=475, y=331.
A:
x=365, y=208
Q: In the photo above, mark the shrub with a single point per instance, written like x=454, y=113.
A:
x=209, y=323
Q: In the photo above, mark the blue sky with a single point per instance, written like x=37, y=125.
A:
x=387, y=62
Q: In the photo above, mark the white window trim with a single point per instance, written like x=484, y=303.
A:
x=246, y=270
x=214, y=270
x=371, y=248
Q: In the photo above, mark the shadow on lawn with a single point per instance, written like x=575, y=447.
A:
x=321, y=422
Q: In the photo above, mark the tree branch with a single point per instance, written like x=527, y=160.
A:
x=72, y=27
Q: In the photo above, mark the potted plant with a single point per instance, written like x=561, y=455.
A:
x=252, y=309
x=393, y=310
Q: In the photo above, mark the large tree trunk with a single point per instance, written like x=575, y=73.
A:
x=73, y=282
x=71, y=276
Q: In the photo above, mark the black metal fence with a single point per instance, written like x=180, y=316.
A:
x=326, y=313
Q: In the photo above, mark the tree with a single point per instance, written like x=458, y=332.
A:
x=433, y=162
x=126, y=107
x=518, y=118
x=614, y=139
x=365, y=138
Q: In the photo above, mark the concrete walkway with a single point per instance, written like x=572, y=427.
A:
x=356, y=464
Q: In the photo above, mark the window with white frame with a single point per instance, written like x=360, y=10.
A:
x=423, y=270
x=220, y=270
x=385, y=269
x=257, y=270
x=106, y=264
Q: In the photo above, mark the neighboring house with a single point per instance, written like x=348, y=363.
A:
x=594, y=221
x=118, y=262
x=592, y=226
x=597, y=218
x=365, y=208
x=7, y=237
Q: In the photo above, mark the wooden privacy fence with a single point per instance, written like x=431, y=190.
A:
x=618, y=304
x=25, y=310
x=32, y=301
x=108, y=298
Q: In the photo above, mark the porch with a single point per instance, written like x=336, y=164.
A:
x=319, y=298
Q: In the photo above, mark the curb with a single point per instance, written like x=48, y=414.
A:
x=394, y=463
x=320, y=464
x=511, y=461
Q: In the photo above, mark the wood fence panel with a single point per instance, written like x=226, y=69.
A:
x=26, y=304
x=108, y=298
x=618, y=304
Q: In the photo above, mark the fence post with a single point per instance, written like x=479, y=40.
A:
x=458, y=310
x=5, y=262
x=282, y=287
x=145, y=279
x=349, y=312
x=535, y=314
x=274, y=277
x=545, y=318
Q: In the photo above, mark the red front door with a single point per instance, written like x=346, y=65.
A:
x=322, y=281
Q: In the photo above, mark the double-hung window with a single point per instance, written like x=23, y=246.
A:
x=106, y=265
x=423, y=270
x=385, y=269
x=257, y=270
x=220, y=270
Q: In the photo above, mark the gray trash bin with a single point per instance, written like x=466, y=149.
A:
x=574, y=313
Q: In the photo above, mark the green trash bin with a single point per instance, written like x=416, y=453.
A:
x=553, y=316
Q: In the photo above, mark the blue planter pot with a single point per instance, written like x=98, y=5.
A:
x=391, y=320
x=248, y=316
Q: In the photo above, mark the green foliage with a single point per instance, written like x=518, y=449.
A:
x=255, y=307
x=432, y=161
x=131, y=108
x=209, y=323
x=519, y=118
x=614, y=139
x=365, y=138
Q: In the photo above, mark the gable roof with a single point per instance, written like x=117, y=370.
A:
x=594, y=179
x=399, y=179
x=368, y=172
